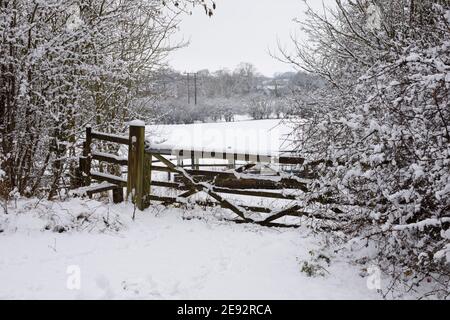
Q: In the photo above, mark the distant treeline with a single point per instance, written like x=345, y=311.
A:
x=222, y=94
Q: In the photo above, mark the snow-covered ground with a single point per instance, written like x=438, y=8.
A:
x=87, y=249
x=45, y=246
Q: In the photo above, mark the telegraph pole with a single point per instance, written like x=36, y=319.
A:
x=189, y=88
x=195, y=88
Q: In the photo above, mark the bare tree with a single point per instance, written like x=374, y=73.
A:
x=68, y=63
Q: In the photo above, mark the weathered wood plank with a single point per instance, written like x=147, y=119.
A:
x=291, y=160
x=147, y=172
x=245, y=167
x=203, y=203
x=93, y=189
x=168, y=184
x=283, y=213
x=101, y=189
x=205, y=154
x=117, y=194
x=161, y=169
x=267, y=224
x=254, y=193
x=99, y=176
x=230, y=180
x=263, y=194
x=110, y=158
x=110, y=137
x=136, y=152
x=87, y=156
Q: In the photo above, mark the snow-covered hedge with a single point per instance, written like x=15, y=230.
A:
x=69, y=63
x=383, y=127
x=76, y=214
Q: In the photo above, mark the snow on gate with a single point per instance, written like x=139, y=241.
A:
x=146, y=157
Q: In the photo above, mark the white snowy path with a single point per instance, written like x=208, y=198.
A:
x=162, y=256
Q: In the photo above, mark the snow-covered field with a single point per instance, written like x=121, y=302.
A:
x=258, y=136
x=160, y=255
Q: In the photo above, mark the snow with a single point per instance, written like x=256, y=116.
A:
x=109, y=176
x=109, y=155
x=444, y=254
x=443, y=192
x=160, y=256
x=374, y=17
x=137, y=123
x=422, y=224
x=255, y=137
x=82, y=191
x=118, y=136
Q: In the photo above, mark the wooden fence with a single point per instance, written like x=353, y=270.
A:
x=143, y=159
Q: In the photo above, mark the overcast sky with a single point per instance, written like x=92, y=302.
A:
x=239, y=31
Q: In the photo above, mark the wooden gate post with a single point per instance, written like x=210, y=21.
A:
x=87, y=157
x=136, y=158
x=147, y=178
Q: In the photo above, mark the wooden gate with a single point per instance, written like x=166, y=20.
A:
x=143, y=159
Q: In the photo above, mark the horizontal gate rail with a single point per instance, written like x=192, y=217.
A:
x=110, y=137
x=100, y=176
x=224, y=155
x=110, y=158
x=253, y=193
x=237, y=181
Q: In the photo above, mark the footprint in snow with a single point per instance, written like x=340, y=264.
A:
x=104, y=284
x=142, y=287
